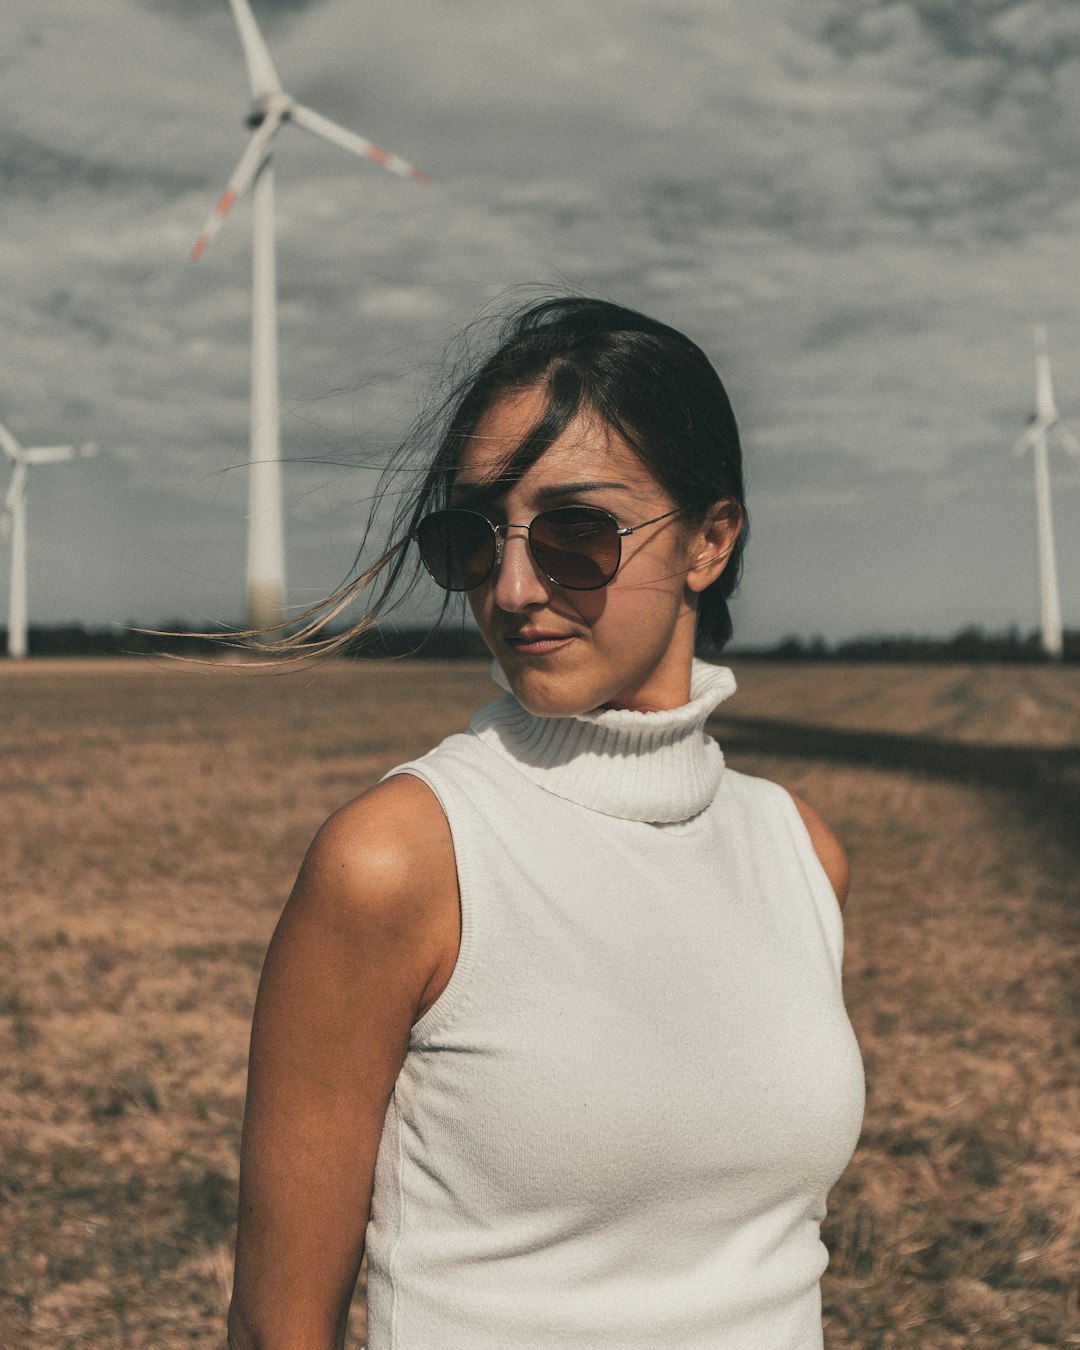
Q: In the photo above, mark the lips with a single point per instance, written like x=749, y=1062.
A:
x=537, y=640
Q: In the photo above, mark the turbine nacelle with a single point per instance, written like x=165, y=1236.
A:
x=275, y=104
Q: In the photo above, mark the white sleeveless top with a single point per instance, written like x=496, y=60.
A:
x=616, y=1128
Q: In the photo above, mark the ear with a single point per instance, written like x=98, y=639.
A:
x=713, y=542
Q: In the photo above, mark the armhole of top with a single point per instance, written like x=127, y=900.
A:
x=441, y=1011
x=821, y=888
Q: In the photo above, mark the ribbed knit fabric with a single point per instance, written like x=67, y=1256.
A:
x=656, y=767
x=617, y=1126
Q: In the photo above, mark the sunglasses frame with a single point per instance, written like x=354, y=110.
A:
x=500, y=534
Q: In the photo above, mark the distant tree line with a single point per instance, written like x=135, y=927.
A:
x=175, y=638
x=464, y=643
x=969, y=644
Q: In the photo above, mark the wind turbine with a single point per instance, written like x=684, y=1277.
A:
x=1044, y=423
x=271, y=107
x=14, y=518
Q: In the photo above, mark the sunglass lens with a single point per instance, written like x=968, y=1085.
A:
x=458, y=548
x=577, y=546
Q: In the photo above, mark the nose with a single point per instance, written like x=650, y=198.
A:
x=519, y=583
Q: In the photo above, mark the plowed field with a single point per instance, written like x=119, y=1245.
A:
x=153, y=817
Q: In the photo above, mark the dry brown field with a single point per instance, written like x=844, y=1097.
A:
x=153, y=817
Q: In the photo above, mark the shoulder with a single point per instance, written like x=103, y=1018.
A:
x=828, y=848
x=762, y=795
x=379, y=882
x=385, y=838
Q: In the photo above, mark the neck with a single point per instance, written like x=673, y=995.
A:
x=669, y=684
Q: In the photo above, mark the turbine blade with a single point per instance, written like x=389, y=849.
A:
x=262, y=76
x=1068, y=439
x=17, y=480
x=349, y=140
x=242, y=178
x=11, y=446
x=50, y=454
x=1044, y=388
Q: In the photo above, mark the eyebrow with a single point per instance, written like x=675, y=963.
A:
x=484, y=492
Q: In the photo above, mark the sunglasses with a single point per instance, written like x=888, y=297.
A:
x=576, y=547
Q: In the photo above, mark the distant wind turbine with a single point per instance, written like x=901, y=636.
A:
x=271, y=107
x=14, y=519
x=1044, y=423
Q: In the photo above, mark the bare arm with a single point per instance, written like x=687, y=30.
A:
x=829, y=849
x=365, y=944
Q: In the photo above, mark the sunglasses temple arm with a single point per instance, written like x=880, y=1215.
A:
x=624, y=530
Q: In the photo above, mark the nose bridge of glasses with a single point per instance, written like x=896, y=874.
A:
x=501, y=536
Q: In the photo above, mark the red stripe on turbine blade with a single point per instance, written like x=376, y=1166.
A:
x=417, y=175
x=200, y=247
x=379, y=156
x=226, y=202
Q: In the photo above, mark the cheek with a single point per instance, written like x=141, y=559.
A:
x=637, y=621
x=479, y=602
x=587, y=607
x=652, y=581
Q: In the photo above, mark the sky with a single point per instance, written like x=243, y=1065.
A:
x=859, y=210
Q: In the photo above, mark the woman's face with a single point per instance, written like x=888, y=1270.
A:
x=628, y=645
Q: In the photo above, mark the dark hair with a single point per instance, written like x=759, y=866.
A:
x=646, y=381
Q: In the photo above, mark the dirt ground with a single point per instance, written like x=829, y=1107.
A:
x=154, y=815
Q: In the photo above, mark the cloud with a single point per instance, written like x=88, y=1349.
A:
x=986, y=143
x=40, y=171
x=858, y=210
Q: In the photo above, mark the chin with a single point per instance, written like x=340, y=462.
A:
x=546, y=694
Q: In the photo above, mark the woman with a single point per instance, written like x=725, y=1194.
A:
x=558, y=1005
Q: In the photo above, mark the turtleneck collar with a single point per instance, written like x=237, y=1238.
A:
x=658, y=767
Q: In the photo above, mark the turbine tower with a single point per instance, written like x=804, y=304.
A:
x=1044, y=423
x=14, y=519
x=271, y=108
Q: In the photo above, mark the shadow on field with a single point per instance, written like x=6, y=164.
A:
x=1045, y=780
